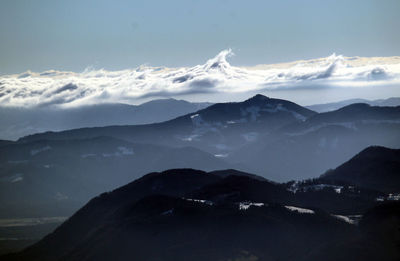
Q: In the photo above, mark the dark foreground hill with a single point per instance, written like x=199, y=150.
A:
x=185, y=214
x=372, y=175
x=374, y=168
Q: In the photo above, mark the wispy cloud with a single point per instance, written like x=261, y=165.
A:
x=216, y=76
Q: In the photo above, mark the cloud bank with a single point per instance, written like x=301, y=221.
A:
x=215, y=78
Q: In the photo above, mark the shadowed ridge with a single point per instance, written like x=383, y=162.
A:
x=375, y=167
x=228, y=172
x=110, y=205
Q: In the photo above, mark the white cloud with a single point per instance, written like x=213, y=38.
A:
x=215, y=78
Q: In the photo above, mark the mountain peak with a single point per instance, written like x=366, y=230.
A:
x=375, y=167
x=259, y=97
x=356, y=106
x=378, y=152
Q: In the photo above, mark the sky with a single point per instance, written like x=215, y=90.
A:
x=73, y=53
x=77, y=34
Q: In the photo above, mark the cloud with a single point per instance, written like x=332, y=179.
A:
x=67, y=87
x=215, y=77
x=204, y=83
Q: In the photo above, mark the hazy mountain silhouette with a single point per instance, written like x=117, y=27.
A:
x=16, y=122
x=274, y=138
x=215, y=129
x=55, y=178
x=323, y=141
x=325, y=107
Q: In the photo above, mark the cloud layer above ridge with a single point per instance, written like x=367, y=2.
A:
x=215, y=78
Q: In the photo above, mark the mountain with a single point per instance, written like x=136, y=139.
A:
x=62, y=170
x=371, y=176
x=55, y=178
x=154, y=213
x=274, y=138
x=374, y=168
x=186, y=214
x=323, y=141
x=17, y=122
x=217, y=129
x=325, y=107
x=356, y=112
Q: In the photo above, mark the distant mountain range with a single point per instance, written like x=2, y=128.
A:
x=56, y=177
x=16, y=122
x=322, y=141
x=274, y=138
x=54, y=173
x=237, y=121
x=325, y=107
x=186, y=214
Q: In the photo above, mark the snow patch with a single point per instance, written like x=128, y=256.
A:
x=242, y=120
x=391, y=197
x=294, y=187
x=192, y=137
x=338, y=190
x=247, y=205
x=300, y=210
x=202, y=201
x=17, y=179
x=197, y=120
x=317, y=187
x=125, y=151
x=37, y=151
x=395, y=197
x=345, y=219
x=13, y=178
x=194, y=116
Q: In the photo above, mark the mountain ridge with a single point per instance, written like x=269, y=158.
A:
x=20, y=121
x=325, y=107
x=178, y=211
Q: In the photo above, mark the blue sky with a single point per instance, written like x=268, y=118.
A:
x=72, y=35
